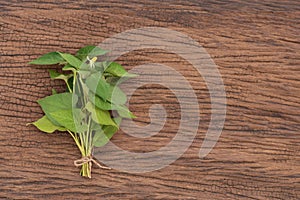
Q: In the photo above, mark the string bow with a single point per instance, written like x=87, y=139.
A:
x=90, y=160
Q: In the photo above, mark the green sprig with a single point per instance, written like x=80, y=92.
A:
x=84, y=110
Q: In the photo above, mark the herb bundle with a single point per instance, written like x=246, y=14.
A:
x=93, y=105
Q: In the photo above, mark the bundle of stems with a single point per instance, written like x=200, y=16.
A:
x=85, y=109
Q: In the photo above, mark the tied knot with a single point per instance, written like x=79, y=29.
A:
x=89, y=160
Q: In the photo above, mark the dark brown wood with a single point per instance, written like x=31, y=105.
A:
x=257, y=48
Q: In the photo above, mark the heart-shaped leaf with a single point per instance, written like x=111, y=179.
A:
x=48, y=59
x=56, y=75
x=116, y=95
x=124, y=112
x=99, y=102
x=104, y=90
x=61, y=101
x=100, y=116
x=72, y=60
x=45, y=125
x=70, y=119
x=102, y=136
x=98, y=86
x=118, y=70
x=69, y=67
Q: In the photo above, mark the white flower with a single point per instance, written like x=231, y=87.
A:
x=92, y=61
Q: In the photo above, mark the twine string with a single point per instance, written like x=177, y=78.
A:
x=89, y=160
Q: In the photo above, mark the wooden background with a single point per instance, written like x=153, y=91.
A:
x=257, y=48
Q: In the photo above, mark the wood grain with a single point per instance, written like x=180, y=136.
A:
x=257, y=48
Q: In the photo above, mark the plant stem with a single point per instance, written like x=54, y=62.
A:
x=68, y=86
x=85, y=136
x=76, y=141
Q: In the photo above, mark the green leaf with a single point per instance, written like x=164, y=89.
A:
x=116, y=95
x=45, y=125
x=113, y=80
x=56, y=75
x=118, y=70
x=69, y=67
x=100, y=116
x=97, y=85
x=48, y=59
x=99, y=102
x=104, y=90
x=105, y=105
x=124, y=112
x=61, y=101
x=102, y=136
x=72, y=60
x=90, y=51
x=70, y=119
